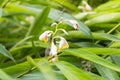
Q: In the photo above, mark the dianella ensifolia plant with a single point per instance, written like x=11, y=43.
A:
x=57, y=43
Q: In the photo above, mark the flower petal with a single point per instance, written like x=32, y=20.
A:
x=63, y=44
x=53, y=50
x=44, y=36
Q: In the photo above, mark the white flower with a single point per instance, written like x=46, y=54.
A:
x=74, y=23
x=86, y=7
x=63, y=44
x=44, y=36
x=53, y=50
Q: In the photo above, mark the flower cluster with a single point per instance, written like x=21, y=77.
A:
x=57, y=43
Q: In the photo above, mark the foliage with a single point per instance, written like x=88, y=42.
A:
x=93, y=52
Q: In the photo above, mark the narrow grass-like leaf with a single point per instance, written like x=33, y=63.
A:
x=20, y=42
x=105, y=18
x=18, y=9
x=36, y=75
x=67, y=4
x=44, y=67
x=4, y=76
x=1, y=1
x=108, y=74
x=109, y=6
x=5, y=52
x=103, y=51
x=116, y=44
x=39, y=22
x=96, y=36
x=0, y=12
x=73, y=73
x=92, y=57
x=110, y=37
x=116, y=59
x=18, y=69
x=29, y=45
x=24, y=72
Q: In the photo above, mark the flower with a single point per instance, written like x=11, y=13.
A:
x=75, y=23
x=63, y=44
x=44, y=36
x=86, y=6
x=53, y=50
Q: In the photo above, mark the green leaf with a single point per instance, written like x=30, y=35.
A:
x=15, y=9
x=110, y=6
x=36, y=75
x=67, y=4
x=116, y=59
x=0, y=12
x=110, y=37
x=39, y=22
x=23, y=71
x=96, y=36
x=44, y=67
x=86, y=44
x=104, y=18
x=5, y=52
x=18, y=69
x=73, y=73
x=20, y=42
x=4, y=76
x=108, y=74
x=115, y=44
x=1, y=1
x=92, y=57
x=103, y=51
x=29, y=45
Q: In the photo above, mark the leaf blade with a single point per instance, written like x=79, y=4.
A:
x=4, y=52
x=92, y=57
